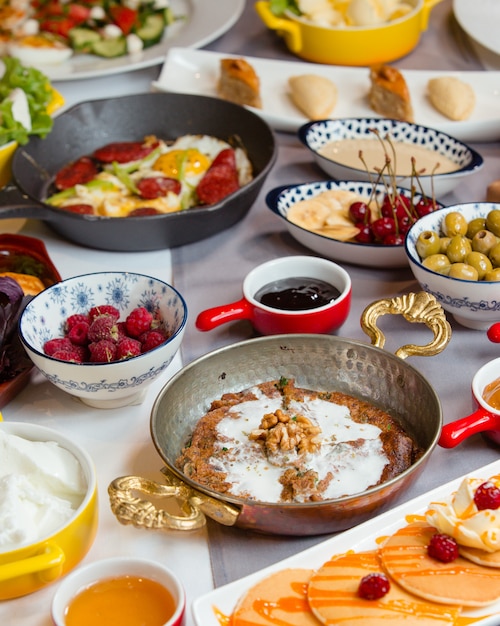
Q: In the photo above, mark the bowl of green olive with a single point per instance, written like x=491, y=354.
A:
x=454, y=254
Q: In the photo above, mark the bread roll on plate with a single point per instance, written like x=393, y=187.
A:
x=451, y=97
x=315, y=96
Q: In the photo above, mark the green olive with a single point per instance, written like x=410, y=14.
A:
x=483, y=241
x=458, y=248
x=427, y=243
x=494, y=255
x=439, y=263
x=444, y=243
x=480, y=261
x=463, y=271
x=454, y=223
x=493, y=222
x=475, y=225
x=493, y=275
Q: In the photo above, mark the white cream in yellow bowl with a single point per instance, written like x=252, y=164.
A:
x=48, y=512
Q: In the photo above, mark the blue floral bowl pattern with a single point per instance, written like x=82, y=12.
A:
x=103, y=384
x=280, y=199
x=473, y=304
x=314, y=135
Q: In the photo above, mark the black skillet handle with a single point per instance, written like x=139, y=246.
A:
x=14, y=203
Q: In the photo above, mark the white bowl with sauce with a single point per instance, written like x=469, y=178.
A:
x=336, y=145
x=124, y=590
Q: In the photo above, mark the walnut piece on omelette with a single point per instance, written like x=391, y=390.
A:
x=276, y=442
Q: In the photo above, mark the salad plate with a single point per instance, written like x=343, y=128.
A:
x=201, y=21
x=213, y=608
x=480, y=20
x=196, y=72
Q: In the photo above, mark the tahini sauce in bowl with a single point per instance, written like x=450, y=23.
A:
x=428, y=146
x=358, y=153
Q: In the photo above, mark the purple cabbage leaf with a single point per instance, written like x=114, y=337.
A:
x=13, y=358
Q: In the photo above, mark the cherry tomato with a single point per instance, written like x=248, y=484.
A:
x=397, y=239
x=383, y=226
x=124, y=17
x=395, y=207
x=404, y=223
x=359, y=211
x=493, y=333
x=365, y=234
x=425, y=206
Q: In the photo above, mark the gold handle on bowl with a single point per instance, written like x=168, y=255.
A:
x=282, y=25
x=421, y=307
x=193, y=505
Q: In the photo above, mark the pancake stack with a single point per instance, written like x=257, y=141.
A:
x=424, y=591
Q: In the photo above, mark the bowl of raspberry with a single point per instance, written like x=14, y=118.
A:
x=104, y=337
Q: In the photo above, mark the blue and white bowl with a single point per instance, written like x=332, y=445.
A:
x=281, y=199
x=103, y=385
x=315, y=135
x=473, y=304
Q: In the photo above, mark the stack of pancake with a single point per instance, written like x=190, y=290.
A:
x=423, y=591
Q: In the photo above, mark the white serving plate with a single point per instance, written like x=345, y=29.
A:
x=480, y=19
x=196, y=71
x=205, y=20
x=362, y=537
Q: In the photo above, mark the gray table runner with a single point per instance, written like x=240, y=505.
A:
x=210, y=272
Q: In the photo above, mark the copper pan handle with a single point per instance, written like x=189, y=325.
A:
x=130, y=508
x=419, y=307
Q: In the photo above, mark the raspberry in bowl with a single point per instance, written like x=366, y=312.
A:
x=104, y=337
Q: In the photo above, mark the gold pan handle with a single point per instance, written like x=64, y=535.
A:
x=415, y=307
x=130, y=508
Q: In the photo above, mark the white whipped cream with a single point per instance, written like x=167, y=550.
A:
x=459, y=517
x=353, y=452
x=42, y=485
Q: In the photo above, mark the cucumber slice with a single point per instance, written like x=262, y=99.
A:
x=82, y=39
x=152, y=30
x=110, y=48
x=168, y=16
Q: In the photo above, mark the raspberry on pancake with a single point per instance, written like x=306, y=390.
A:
x=404, y=557
x=334, y=598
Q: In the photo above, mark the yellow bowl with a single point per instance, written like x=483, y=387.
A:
x=30, y=567
x=7, y=151
x=350, y=45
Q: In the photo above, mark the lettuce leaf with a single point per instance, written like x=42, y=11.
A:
x=278, y=7
x=37, y=88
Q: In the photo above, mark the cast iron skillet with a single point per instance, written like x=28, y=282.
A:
x=89, y=125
